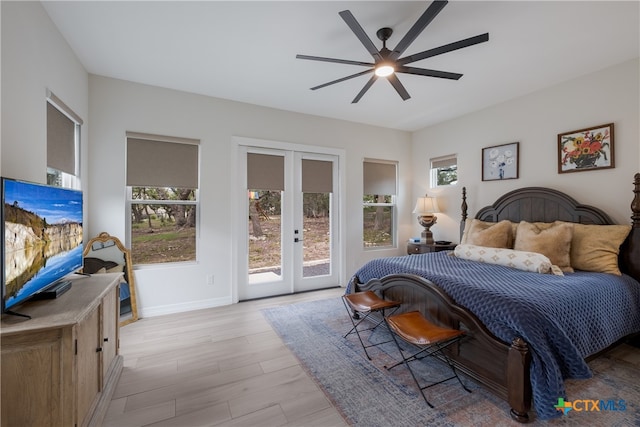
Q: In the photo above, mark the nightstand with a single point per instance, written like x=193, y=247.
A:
x=423, y=248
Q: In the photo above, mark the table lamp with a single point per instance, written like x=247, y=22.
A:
x=426, y=207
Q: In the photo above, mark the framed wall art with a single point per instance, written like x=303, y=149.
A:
x=500, y=162
x=586, y=149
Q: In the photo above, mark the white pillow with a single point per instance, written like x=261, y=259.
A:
x=527, y=261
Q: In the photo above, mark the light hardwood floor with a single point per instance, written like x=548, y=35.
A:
x=222, y=366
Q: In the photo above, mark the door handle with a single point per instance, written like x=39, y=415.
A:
x=296, y=240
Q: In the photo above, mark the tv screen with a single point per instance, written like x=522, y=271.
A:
x=42, y=238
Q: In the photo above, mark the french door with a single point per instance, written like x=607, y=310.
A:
x=291, y=235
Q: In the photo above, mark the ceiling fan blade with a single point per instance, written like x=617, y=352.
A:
x=444, y=49
x=339, y=61
x=362, y=73
x=348, y=17
x=432, y=11
x=429, y=73
x=395, y=82
x=365, y=89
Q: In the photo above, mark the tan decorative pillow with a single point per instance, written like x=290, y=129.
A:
x=488, y=234
x=467, y=224
x=527, y=261
x=552, y=240
x=596, y=247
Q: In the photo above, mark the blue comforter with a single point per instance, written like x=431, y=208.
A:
x=563, y=318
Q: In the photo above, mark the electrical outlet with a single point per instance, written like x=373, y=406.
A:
x=210, y=279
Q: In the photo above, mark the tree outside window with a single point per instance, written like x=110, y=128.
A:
x=163, y=225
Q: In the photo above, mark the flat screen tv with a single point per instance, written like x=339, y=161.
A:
x=42, y=238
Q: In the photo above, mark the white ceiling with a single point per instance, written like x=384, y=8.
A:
x=246, y=51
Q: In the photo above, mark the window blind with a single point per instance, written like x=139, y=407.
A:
x=265, y=172
x=379, y=178
x=61, y=141
x=157, y=163
x=317, y=176
x=444, y=162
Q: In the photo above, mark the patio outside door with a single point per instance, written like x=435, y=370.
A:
x=292, y=229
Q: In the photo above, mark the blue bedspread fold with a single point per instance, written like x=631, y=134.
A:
x=563, y=318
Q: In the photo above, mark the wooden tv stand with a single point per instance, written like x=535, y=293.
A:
x=60, y=367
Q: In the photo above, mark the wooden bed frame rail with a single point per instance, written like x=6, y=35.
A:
x=503, y=368
x=476, y=354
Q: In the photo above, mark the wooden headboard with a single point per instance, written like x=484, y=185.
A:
x=538, y=204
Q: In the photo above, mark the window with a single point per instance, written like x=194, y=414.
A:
x=162, y=185
x=379, y=204
x=444, y=171
x=63, y=144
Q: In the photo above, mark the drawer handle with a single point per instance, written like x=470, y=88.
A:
x=106, y=339
x=98, y=350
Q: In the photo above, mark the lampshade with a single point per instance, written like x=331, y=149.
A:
x=426, y=205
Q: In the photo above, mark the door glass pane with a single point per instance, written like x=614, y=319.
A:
x=317, y=234
x=265, y=237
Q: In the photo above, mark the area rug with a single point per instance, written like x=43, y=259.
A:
x=368, y=395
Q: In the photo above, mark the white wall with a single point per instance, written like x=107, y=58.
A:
x=118, y=106
x=35, y=57
x=535, y=120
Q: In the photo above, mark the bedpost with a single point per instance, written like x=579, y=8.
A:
x=518, y=383
x=631, y=249
x=463, y=207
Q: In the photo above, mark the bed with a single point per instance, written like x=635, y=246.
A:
x=526, y=331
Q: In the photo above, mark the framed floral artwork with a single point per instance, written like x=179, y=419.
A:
x=586, y=149
x=500, y=162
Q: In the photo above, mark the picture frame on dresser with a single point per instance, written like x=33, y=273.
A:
x=586, y=149
x=500, y=162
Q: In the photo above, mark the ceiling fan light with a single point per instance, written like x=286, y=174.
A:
x=384, y=70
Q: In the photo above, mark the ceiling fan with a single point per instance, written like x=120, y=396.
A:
x=388, y=62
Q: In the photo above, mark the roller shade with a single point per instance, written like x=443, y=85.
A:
x=265, y=172
x=443, y=162
x=154, y=163
x=317, y=176
x=379, y=178
x=61, y=141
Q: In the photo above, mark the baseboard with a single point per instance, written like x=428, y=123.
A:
x=183, y=307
